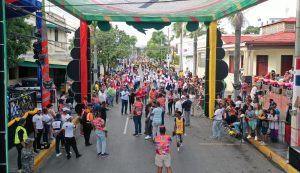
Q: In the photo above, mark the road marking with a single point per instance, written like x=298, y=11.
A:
x=126, y=124
x=219, y=144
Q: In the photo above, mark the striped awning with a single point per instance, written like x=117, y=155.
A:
x=153, y=10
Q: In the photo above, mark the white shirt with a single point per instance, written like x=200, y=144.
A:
x=56, y=125
x=273, y=124
x=69, y=129
x=178, y=106
x=238, y=104
x=102, y=96
x=64, y=117
x=219, y=114
x=125, y=95
x=47, y=119
x=38, y=120
x=253, y=91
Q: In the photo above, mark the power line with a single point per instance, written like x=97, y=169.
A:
x=33, y=37
x=17, y=8
x=118, y=3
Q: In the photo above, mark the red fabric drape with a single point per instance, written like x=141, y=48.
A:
x=83, y=58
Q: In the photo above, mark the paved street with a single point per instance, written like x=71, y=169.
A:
x=130, y=154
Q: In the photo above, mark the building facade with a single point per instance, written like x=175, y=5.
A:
x=272, y=50
x=58, y=52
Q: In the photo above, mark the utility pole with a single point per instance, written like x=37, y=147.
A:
x=181, y=42
x=168, y=56
x=296, y=88
x=95, y=71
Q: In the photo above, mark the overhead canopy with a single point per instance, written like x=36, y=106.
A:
x=153, y=10
x=17, y=8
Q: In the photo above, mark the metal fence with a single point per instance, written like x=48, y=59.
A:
x=19, y=103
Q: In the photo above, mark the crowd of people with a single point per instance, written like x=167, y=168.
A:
x=246, y=117
x=155, y=92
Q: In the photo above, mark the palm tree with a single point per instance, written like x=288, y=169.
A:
x=237, y=21
x=180, y=31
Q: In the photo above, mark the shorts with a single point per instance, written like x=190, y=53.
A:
x=163, y=160
x=253, y=124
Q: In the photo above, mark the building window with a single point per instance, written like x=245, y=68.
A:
x=56, y=35
x=231, y=64
x=286, y=63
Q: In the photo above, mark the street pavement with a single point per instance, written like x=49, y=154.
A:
x=129, y=154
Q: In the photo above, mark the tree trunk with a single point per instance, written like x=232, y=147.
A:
x=238, y=27
x=195, y=54
x=104, y=68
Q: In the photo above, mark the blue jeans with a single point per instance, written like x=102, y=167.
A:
x=137, y=124
x=145, y=99
x=216, y=128
x=237, y=127
x=163, y=117
x=124, y=104
x=101, y=142
x=110, y=100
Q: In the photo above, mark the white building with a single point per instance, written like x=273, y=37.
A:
x=58, y=52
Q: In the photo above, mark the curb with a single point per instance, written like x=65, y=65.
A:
x=43, y=155
x=276, y=158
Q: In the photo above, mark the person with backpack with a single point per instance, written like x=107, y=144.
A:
x=87, y=119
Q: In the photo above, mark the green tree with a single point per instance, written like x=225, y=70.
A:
x=251, y=30
x=19, y=36
x=178, y=30
x=157, y=46
x=113, y=45
x=237, y=21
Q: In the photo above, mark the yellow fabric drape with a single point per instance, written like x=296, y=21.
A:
x=212, y=67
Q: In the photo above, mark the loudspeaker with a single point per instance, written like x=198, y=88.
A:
x=294, y=157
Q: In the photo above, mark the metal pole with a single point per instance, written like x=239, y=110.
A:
x=3, y=93
x=45, y=67
x=181, y=42
x=296, y=88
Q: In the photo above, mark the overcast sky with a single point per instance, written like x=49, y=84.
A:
x=263, y=11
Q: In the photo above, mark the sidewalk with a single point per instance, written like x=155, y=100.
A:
x=277, y=152
x=39, y=158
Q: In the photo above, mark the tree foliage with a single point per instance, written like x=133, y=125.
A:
x=251, y=30
x=18, y=39
x=157, y=46
x=113, y=45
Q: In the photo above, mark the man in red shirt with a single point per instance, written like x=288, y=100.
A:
x=140, y=94
x=137, y=116
x=162, y=102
